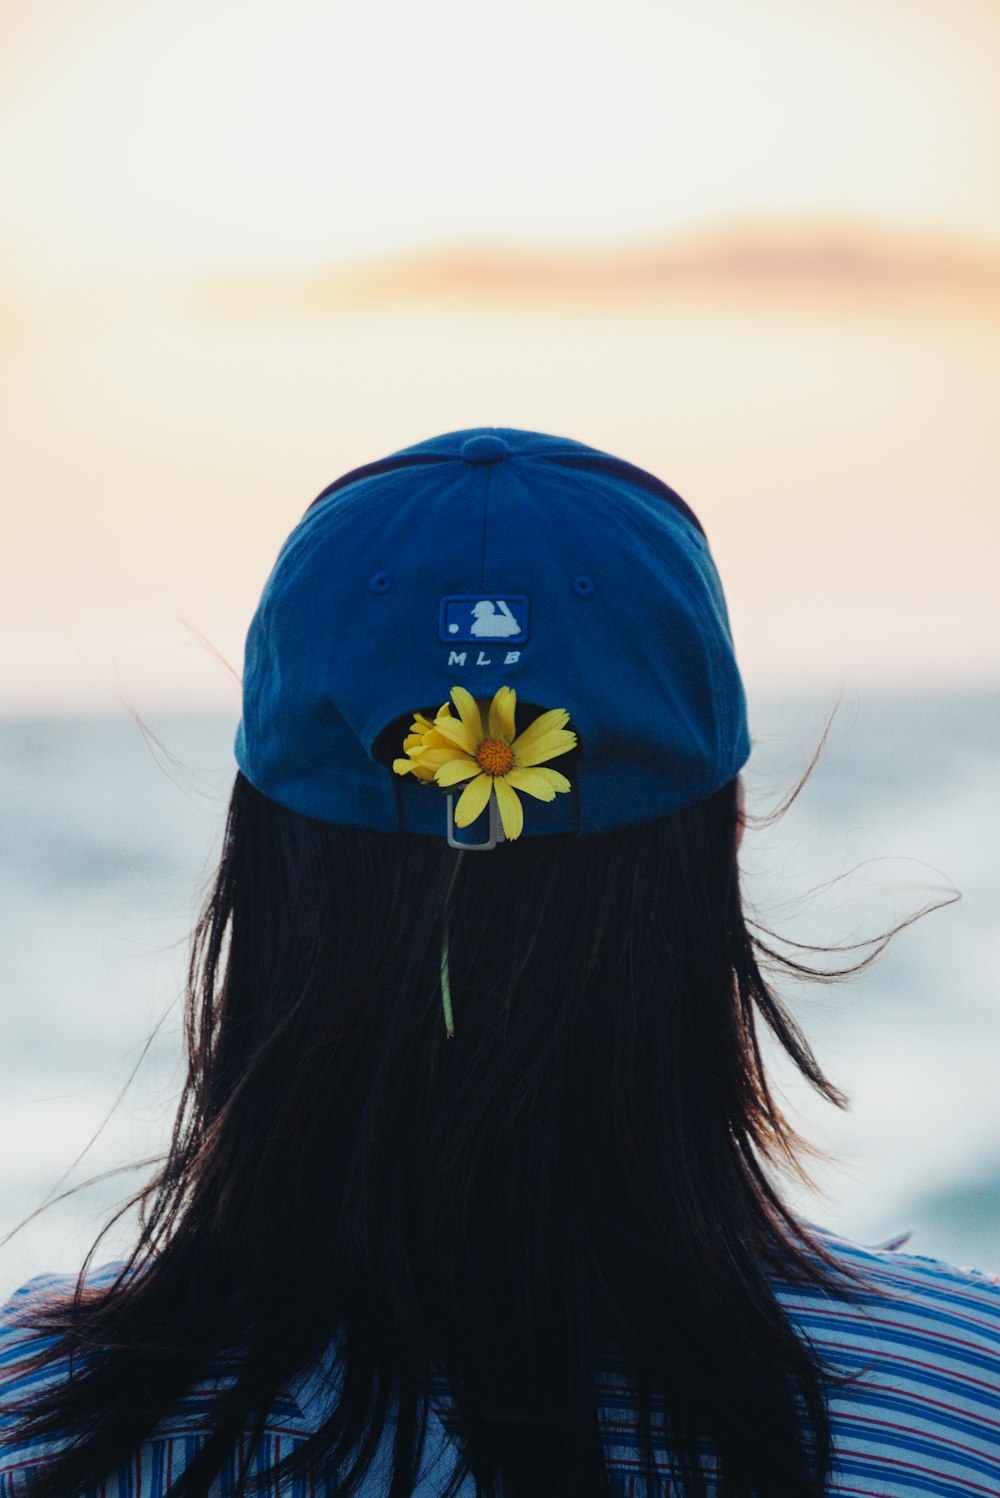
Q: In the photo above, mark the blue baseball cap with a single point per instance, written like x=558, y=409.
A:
x=484, y=559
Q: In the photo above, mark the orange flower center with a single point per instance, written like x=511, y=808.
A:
x=495, y=757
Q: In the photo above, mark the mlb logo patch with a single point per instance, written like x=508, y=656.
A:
x=484, y=616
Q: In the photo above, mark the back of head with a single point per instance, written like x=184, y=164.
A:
x=475, y=1087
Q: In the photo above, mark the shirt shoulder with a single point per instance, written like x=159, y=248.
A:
x=913, y=1347
x=292, y=1417
x=907, y=1285
x=178, y=1438
x=20, y=1341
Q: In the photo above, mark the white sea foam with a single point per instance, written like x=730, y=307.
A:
x=104, y=856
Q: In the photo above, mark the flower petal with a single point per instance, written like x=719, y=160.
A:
x=532, y=782
x=472, y=800
x=455, y=770
x=502, y=714
x=552, y=777
x=420, y=771
x=468, y=711
x=434, y=740
x=556, y=717
x=546, y=746
x=511, y=811
x=455, y=732
x=433, y=759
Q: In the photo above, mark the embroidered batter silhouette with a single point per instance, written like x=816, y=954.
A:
x=489, y=624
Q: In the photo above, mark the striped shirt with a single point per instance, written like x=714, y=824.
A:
x=923, y=1418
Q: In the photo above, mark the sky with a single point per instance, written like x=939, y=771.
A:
x=175, y=136
x=756, y=249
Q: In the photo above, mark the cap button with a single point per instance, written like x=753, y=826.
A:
x=484, y=449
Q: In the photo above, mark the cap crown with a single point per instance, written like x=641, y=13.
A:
x=484, y=558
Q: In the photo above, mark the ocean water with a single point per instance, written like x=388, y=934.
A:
x=107, y=843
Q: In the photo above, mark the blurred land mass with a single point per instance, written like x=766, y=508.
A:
x=751, y=267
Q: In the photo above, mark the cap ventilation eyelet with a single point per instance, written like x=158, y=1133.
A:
x=583, y=587
x=381, y=582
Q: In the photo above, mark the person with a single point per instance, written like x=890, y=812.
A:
x=472, y=1187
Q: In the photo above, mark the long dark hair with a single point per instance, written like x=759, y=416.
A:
x=581, y=1177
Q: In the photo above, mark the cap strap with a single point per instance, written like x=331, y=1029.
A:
x=496, y=827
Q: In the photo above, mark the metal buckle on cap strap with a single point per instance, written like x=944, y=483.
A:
x=496, y=828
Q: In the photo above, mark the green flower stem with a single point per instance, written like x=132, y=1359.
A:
x=449, y=1017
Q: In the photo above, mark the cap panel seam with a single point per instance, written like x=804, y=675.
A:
x=492, y=512
x=640, y=478
x=381, y=466
x=697, y=602
x=486, y=515
x=584, y=479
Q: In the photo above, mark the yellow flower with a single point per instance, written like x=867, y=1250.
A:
x=498, y=761
x=425, y=748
